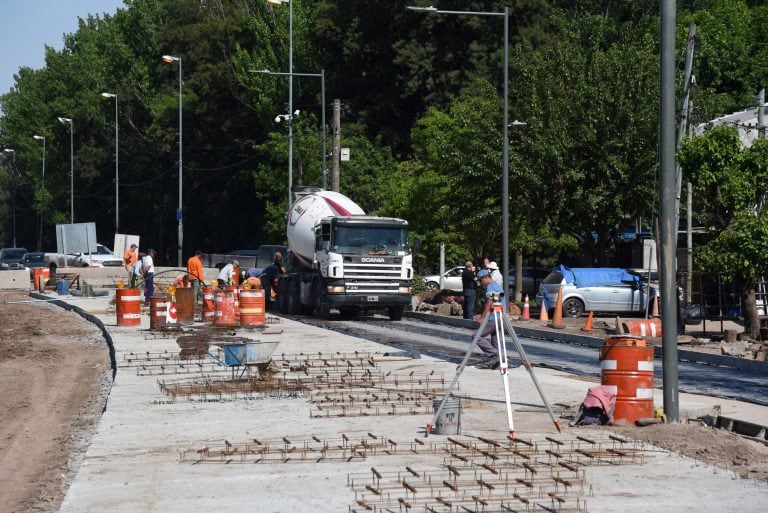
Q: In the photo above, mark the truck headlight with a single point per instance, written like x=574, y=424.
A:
x=404, y=290
x=335, y=289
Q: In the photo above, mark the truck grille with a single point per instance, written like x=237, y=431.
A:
x=372, y=278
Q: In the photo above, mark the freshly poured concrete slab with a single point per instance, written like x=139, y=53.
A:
x=134, y=462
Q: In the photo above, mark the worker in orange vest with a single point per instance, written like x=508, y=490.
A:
x=195, y=273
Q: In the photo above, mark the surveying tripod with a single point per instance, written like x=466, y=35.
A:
x=501, y=322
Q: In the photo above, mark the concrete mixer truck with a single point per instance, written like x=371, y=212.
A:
x=341, y=258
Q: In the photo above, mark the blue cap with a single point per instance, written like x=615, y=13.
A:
x=483, y=272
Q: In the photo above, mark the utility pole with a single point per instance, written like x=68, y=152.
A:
x=336, y=144
x=761, y=114
x=689, y=226
x=668, y=212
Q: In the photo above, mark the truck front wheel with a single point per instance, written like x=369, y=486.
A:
x=395, y=313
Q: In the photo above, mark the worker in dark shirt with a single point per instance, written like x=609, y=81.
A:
x=468, y=280
x=267, y=278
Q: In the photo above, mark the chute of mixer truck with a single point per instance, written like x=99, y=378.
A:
x=343, y=259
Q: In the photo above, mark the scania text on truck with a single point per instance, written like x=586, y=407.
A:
x=344, y=259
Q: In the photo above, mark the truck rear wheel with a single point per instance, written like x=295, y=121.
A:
x=293, y=300
x=320, y=308
x=282, y=296
x=395, y=313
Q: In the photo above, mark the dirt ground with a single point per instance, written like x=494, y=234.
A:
x=54, y=377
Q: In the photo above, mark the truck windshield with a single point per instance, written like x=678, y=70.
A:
x=370, y=240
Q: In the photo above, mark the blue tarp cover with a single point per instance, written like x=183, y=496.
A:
x=595, y=276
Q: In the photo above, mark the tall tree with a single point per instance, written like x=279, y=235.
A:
x=731, y=190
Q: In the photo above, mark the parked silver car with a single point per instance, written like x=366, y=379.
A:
x=452, y=280
x=597, y=289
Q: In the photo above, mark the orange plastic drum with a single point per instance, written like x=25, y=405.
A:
x=128, y=307
x=225, y=307
x=158, y=306
x=644, y=328
x=626, y=365
x=252, y=308
x=37, y=272
x=209, y=309
x=185, y=305
x=236, y=291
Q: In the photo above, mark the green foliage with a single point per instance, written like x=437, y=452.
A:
x=588, y=153
x=730, y=187
x=422, y=112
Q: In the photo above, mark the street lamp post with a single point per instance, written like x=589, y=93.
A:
x=13, y=205
x=170, y=59
x=322, y=100
x=42, y=196
x=290, y=92
x=505, y=142
x=117, y=174
x=68, y=121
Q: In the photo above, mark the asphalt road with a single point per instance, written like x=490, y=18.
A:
x=452, y=342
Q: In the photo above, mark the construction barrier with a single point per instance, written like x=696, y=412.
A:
x=252, y=308
x=626, y=366
x=185, y=305
x=644, y=328
x=209, y=308
x=128, y=303
x=225, y=307
x=158, y=307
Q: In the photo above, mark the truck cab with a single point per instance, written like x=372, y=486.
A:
x=364, y=262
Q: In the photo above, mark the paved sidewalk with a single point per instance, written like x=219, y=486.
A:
x=135, y=464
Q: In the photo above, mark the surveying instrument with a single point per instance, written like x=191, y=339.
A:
x=501, y=322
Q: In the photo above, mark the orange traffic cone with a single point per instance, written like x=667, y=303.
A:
x=588, y=325
x=543, y=315
x=557, y=318
x=655, y=307
x=526, y=310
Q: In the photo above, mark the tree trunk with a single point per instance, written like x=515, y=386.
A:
x=749, y=309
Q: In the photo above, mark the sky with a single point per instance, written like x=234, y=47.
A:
x=29, y=25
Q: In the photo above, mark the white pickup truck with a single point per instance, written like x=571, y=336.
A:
x=103, y=257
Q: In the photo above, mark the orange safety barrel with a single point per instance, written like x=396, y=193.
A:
x=626, y=366
x=185, y=305
x=37, y=272
x=224, y=300
x=644, y=328
x=158, y=308
x=209, y=308
x=252, y=308
x=128, y=307
x=236, y=291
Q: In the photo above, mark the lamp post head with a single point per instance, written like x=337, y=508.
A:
x=278, y=2
x=264, y=71
x=65, y=121
x=425, y=9
x=38, y=137
x=108, y=95
x=9, y=150
x=518, y=123
x=170, y=59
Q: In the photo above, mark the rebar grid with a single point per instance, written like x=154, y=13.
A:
x=474, y=474
x=344, y=383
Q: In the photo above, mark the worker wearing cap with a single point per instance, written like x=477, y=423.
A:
x=226, y=274
x=487, y=342
x=195, y=273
